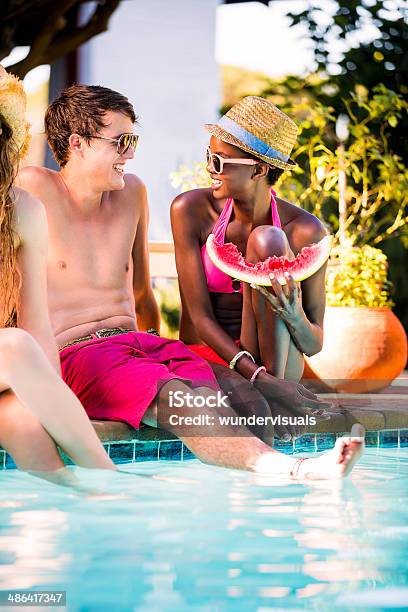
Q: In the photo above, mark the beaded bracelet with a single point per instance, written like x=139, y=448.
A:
x=234, y=360
x=255, y=374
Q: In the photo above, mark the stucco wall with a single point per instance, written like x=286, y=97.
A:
x=161, y=55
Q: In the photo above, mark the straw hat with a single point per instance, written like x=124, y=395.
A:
x=258, y=127
x=12, y=108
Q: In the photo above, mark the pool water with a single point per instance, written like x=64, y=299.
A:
x=193, y=537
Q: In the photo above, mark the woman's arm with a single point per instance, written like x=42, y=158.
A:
x=193, y=285
x=32, y=312
x=307, y=328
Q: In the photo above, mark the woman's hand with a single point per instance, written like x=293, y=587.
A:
x=289, y=399
x=286, y=300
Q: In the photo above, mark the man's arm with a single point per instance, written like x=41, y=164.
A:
x=32, y=311
x=147, y=311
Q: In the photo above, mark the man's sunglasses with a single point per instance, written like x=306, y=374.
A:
x=216, y=162
x=123, y=143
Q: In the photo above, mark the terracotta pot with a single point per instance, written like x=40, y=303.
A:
x=364, y=349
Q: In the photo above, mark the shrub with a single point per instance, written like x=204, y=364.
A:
x=357, y=276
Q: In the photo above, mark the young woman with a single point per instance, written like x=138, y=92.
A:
x=37, y=410
x=261, y=333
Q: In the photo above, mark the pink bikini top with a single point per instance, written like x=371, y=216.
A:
x=218, y=281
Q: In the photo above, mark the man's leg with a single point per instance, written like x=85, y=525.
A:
x=236, y=447
x=46, y=404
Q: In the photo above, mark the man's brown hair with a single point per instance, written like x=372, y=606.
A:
x=80, y=109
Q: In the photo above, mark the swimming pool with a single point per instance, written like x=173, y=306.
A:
x=189, y=536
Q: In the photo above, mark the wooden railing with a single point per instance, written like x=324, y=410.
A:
x=161, y=257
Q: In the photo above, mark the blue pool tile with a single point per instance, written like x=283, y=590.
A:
x=186, y=453
x=122, y=452
x=67, y=460
x=304, y=443
x=9, y=463
x=283, y=446
x=389, y=438
x=372, y=438
x=324, y=441
x=170, y=450
x=403, y=437
x=146, y=451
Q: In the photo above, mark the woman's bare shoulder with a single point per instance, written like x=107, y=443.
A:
x=302, y=227
x=194, y=202
x=38, y=180
x=30, y=219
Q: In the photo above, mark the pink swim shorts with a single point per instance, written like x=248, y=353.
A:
x=117, y=378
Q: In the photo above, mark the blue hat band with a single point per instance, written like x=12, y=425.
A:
x=250, y=140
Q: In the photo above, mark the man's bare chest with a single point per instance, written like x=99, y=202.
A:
x=90, y=252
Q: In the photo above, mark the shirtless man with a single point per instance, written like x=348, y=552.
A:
x=99, y=288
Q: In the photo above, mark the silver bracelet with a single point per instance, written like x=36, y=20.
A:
x=234, y=360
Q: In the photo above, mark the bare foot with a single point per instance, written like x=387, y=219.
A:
x=336, y=463
x=62, y=476
x=67, y=478
x=94, y=495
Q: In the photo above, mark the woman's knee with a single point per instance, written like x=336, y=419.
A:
x=265, y=241
x=16, y=347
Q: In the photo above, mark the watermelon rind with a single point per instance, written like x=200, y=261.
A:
x=228, y=258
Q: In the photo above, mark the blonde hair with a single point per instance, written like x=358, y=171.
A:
x=9, y=275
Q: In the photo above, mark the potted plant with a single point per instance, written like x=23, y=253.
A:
x=365, y=345
x=349, y=177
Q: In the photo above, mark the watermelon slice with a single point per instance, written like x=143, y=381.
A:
x=228, y=259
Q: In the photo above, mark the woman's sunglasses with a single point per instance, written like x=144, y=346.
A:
x=123, y=143
x=216, y=162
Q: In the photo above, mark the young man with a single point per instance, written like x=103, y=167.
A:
x=100, y=294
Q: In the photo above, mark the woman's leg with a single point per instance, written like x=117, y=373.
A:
x=24, y=438
x=263, y=333
x=25, y=369
x=231, y=446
